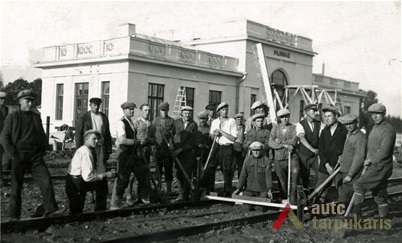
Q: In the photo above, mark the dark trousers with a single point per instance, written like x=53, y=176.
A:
x=345, y=191
x=239, y=160
x=132, y=163
x=224, y=158
x=281, y=170
x=164, y=160
x=305, y=167
x=375, y=179
x=5, y=162
x=76, y=190
x=256, y=194
x=187, y=160
x=32, y=162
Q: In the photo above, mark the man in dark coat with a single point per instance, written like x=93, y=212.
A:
x=25, y=141
x=5, y=160
x=95, y=120
x=330, y=147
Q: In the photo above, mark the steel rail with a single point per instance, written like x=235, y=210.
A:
x=44, y=222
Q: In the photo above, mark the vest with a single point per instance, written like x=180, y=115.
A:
x=130, y=134
x=312, y=138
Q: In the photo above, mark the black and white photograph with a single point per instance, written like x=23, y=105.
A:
x=201, y=121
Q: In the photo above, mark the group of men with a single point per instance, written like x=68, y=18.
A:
x=255, y=148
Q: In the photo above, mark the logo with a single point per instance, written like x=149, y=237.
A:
x=287, y=212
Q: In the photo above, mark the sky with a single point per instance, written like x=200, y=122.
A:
x=357, y=41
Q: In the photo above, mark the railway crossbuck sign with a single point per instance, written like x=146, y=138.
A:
x=287, y=212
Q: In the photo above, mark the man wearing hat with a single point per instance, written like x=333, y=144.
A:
x=352, y=158
x=185, y=140
x=283, y=141
x=380, y=148
x=224, y=130
x=129, y=159
x=5, y=160
x=82, y=176
x=25, y=142
x=239, y=153
x=258, y=133
x=204, y=141
x=96, y=120
x=330, y=147
x=163, y=130
x=255, y=178
x=210, y=109
x=259, y=108
x=308, y=131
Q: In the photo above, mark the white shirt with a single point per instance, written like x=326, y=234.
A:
x=300, y=128
x=333, y=128
x=97, y=123
x=121, y=130
x=83, y=164
x=228, y=125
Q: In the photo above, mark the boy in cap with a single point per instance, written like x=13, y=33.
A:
x=210, y=109
x=5, y=160
x=258, y=133
x=95, y=120
x=259, y=108
x=308, y=131
x=185, y=141
x=163, y=130
x=352, y=158
x=25, y=142
x=239, y=153
x=82, y=176
x=255, y=178
x=283, y=141
x=380, y=148
x=129, y=160
x=330, y=147
x=224, y=130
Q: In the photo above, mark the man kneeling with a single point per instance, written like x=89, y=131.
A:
x=255, y=177
x=82, y=176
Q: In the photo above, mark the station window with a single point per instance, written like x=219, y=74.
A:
x=190, y=96
x=215, y=97
x=59, y=101
x=105, y=97
x=346, y=109
x=279, y=83
x=155, y=97
x=253, y=99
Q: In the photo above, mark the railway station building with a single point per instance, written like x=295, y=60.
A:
x=213, y=64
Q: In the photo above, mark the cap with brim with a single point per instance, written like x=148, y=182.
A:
x=331, y=109
x=128, y=105
x=2, y=95
x=95, y=100
x=186, y=108
x=89, y=132
x=222, y=105
x=256, y=105
x=239, y=115
x=256, y=116
x=377, y=108
x=283, y=112
x=163, y=106
x=256, y=145
x=26, y=94
x=210, y=106
x=348, y=118
x=202, y=115
x=311, y=106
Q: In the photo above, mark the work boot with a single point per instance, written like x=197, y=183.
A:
x=383, y=210
x=179, y=198
x=357, y=204
x=169, y=188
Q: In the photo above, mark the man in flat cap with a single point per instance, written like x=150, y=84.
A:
x=308, y=131
x=96, y=120
x=352, y=158
x=25, y=141
x=82, y=176
x=259, y=108
x=330, y=147
x=283, y=141
x=211, y=109
x=129, y=159
x=204, y=141
x=255, y=182
x=380, y=148
x=5, y=160
x=163, y=130
x=258, y=133
x=185, y=140
x=224, y=130
x=239, y=152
